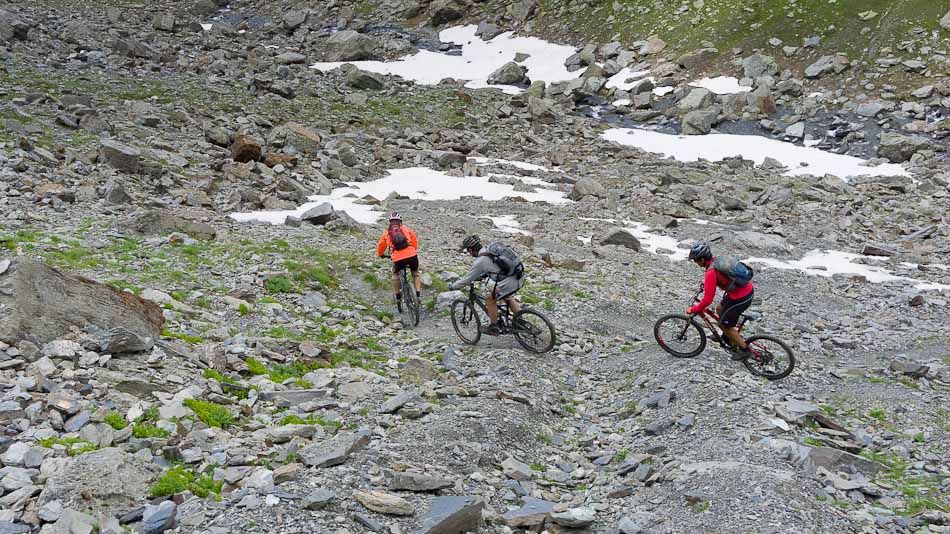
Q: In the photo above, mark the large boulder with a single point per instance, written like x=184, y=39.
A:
x=700, y=121
x=445, y=11
x=123, y=157
x=296, y=137
x=510, y=73
x=452, y=515
x=245, y=148
x=319, y=214
x=698, y=98
x=108, y=481
x=361, y=79
x=522, y=10
x=349, y=45
x=758, y=65
x=41, y=304
x=945, y=21
x=586, y=187
x=621, y=237
x=160, y=223
x=899, y=148
x=694, y=59
x=836, y=64
x=13, y=28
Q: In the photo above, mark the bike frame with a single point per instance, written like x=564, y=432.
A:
x=711, y=318
x=504, y=313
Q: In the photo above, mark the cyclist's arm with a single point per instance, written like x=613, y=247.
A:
x=477, y=273
x=413, y=240
x=709, y=292
x=381, y=246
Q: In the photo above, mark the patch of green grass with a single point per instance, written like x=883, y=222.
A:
x=279, y=284
x=149, y=414
x=187, y=338
x=909, y=382
x=148, y=430
x=919, y=437
x=700, y=507
x=621, y=455
x=211, y=414
x=538, y=467
x=308, y=272
x=878, y=413
x=877, y=380
x=116, y=420
x=814, y=442
x=84, y=446
x=125, y=286
x=310, y=420
x=244, y=309
x=375, y=282
x=178, y=479
x=267, y=300
x=570, y=408
x=581, y=294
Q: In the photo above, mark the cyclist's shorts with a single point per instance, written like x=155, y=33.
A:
x=411, y=262
x=508, y=287
x=732, y=309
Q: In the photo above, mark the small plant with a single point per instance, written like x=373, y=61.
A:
x=74, y=446
x=148, y=430
x=814, y=442
x=178, y=480
x=255, y=367
x=919, y=437
x=878, y=413
x=187, y=338
x=912, y=384
x=570, y=408
x=279, y=284
x=700, y=507
x=116, y=421
x=211, y=414
x=537, y=467
x=244, y=309
x=310, y=420
x=622, y=455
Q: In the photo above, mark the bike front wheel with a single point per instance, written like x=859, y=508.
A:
x=680, y=335
x=534, y=331
x=769, y=358
x=466, y=322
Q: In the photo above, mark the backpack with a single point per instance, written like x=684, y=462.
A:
x=397, y=238
x=738, y=273
x=506, y=259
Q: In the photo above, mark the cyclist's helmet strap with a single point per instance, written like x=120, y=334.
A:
x=700, y=251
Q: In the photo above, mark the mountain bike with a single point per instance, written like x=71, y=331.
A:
x=409, y=305
x=684, y=336
x=531, y=328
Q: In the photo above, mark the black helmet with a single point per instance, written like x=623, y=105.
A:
x=470, y=242
x=700, y=251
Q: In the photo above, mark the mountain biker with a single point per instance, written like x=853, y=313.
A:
x=404, y=245
x=505, y=286
x=733, y=303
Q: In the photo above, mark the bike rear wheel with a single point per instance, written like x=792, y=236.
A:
x=410, y=308
x=680, y=335
x=466, y=322
x=534, y=331
x=770, y=358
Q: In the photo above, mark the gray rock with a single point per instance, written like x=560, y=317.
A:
x=294, y=19
x=158, y=519
x=294, y=397
x=909, y=368
x=629, y=525
x=516, y=470
x=945, y=21
x=758, y=65
x=348, y=45
x=123, y=157
x=700, y=121
x=290, y=58
x=162, y=223
x=73, y=522
x=621, y=237
x=319, y=214
x=534, y=512
x=318, y=499
x=44, y=304
x=313, y=300
x=698, y=98
x=8, y=527
x=445, y=11
x=586, y=186
x=899, y=148
x=488, y=31
x=870, y=109
x=361, y=79
x=396, y=402
x=409, y=481
x=450, y=159
x=828, y=64
x=335, y=450
x=510, y=73
x=796, y=131
x=522, y=10
x=164, y=22
x=575, y=517
x=453, y=515
x=541, y=110
x=371, y=524
x=696, y=58
x=108, y=481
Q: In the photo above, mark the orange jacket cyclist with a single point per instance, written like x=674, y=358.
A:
x=402, y=241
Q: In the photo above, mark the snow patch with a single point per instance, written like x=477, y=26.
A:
x=507, y=224
x=828, y=263
x=663, y=91
x=715, y=147
x=479, y=59
x=417, y=183
x=656, y=243
x=523, y=165
x=619, y=80
x=206, y=26
x=721, y=85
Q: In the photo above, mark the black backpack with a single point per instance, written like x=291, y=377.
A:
x=506, y=259
x=397, y=238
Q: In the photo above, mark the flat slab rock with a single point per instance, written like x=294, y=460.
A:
x=408, y=481
x=335, y=450
x=532, y=513
x=108, y=481
x=43, y=304
x=384, y=503
x=453, y=515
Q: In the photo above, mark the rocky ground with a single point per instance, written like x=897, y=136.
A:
x=164, y=368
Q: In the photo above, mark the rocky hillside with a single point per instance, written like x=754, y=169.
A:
x=169, y=363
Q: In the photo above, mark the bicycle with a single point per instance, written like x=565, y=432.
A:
x=409, y=306
x=769, y=357
x=531, y=328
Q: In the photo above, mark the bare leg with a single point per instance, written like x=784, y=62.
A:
x=417, y=281
x=513, y=305
x=492, y=308
x=734, y=336
x=396, y=284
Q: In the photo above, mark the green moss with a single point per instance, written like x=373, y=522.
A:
x=148, y=430
x=116, y=420
x=279, y=284
x=187, y=338
x=310, y=272
x=244, y=309
x=814, y=442
x=310, y=420
x=74, y=446
x=211, y=414
x=178, y=479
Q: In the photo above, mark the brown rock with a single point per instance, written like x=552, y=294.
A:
x=245, y=148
